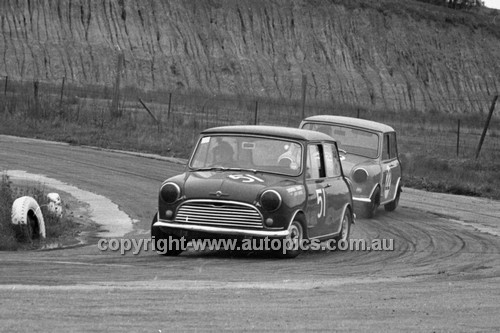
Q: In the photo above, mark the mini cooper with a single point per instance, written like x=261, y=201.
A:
x=369, y=156
x=257, y=182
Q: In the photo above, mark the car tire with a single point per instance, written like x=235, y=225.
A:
x=27, y=219
x=346, y=225
x=370, y=209
x=158, y=234
x=391, y=206
x=292, y=244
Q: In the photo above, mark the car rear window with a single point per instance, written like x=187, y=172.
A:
x=352, y=140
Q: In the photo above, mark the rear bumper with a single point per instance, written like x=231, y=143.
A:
x=224, y=231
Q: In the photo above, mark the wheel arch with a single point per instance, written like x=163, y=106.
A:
x=300, y=216
x=349, y=206
x=372, y=193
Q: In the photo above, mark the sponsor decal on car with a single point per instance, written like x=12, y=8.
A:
x=296, y=190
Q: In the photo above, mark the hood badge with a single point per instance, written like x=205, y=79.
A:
x=219, y=194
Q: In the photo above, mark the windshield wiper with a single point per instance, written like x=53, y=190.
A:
x=216, y=168
x=241, y=169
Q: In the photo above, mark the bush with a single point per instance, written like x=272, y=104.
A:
x=7, y=237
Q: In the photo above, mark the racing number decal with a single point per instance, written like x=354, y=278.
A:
x=387, y=182
x=246, y=178
x=321, y=201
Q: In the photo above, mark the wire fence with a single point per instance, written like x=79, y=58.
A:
x=185, y=114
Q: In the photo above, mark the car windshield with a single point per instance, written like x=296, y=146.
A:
x=352, y=140
x=224, y=152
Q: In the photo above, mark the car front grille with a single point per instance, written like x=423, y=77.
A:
x=219, y=213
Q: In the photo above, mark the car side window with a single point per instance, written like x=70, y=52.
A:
x=314, y=168
x=332, y=163
x=385, y=148
x=393, y=147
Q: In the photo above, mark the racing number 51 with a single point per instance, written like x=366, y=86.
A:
x=321, y=201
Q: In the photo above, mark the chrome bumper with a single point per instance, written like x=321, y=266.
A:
x=224, y=231
x=361, y=199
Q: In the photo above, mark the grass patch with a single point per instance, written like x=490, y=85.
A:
x=56, y=228
x=455, y=176
x=7, y=236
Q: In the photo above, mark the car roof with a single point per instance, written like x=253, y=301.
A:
x=277, y=131
x=350, y=121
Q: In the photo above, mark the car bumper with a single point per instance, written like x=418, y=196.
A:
x=359, y=199
x=224, y=231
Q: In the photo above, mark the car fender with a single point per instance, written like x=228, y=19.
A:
x=395, y=192
x=300, y=216
x=346, y=206
x=373, y=190
x=369, y=198
x=361, y=190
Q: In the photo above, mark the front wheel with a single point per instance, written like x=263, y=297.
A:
x=294, y=240
x=165, y=244
x=369, y=209
x=391, y=206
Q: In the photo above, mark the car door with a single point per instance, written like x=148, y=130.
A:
x=320, y=210
x=391, y=169
x=336, y=189
x=315, y=210
x=395, y=164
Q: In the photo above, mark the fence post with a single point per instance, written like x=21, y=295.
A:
x=169, y=105
x=304, y=86
x=62, y=92
x=486, y=125
x=35, y=95
x=158, y=123
x=458, y=137
x=256, y=112
x=116, y=91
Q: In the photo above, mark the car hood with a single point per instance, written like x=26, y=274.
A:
x=231, y=185
x=351, y=161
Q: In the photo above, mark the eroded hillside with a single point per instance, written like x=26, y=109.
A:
x=389, y=54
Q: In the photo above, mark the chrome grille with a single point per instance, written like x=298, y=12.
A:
x=219, y=213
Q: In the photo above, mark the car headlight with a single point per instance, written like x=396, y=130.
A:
x=360, y=175
x=270, y=200
x=170, y=192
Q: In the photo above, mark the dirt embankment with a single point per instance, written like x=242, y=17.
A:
x=388, y=54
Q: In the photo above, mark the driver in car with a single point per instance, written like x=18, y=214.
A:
x=223, y=153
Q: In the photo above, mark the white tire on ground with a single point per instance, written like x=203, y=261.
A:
x=27, y=215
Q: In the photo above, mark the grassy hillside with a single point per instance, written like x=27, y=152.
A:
x=430, y=72
x=379, y=54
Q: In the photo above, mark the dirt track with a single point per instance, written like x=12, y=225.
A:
x=444, y=274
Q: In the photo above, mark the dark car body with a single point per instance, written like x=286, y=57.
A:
x=370, y=161
x=280, y=182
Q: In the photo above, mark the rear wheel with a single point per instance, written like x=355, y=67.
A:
x=345, y=230
x=165, y=244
